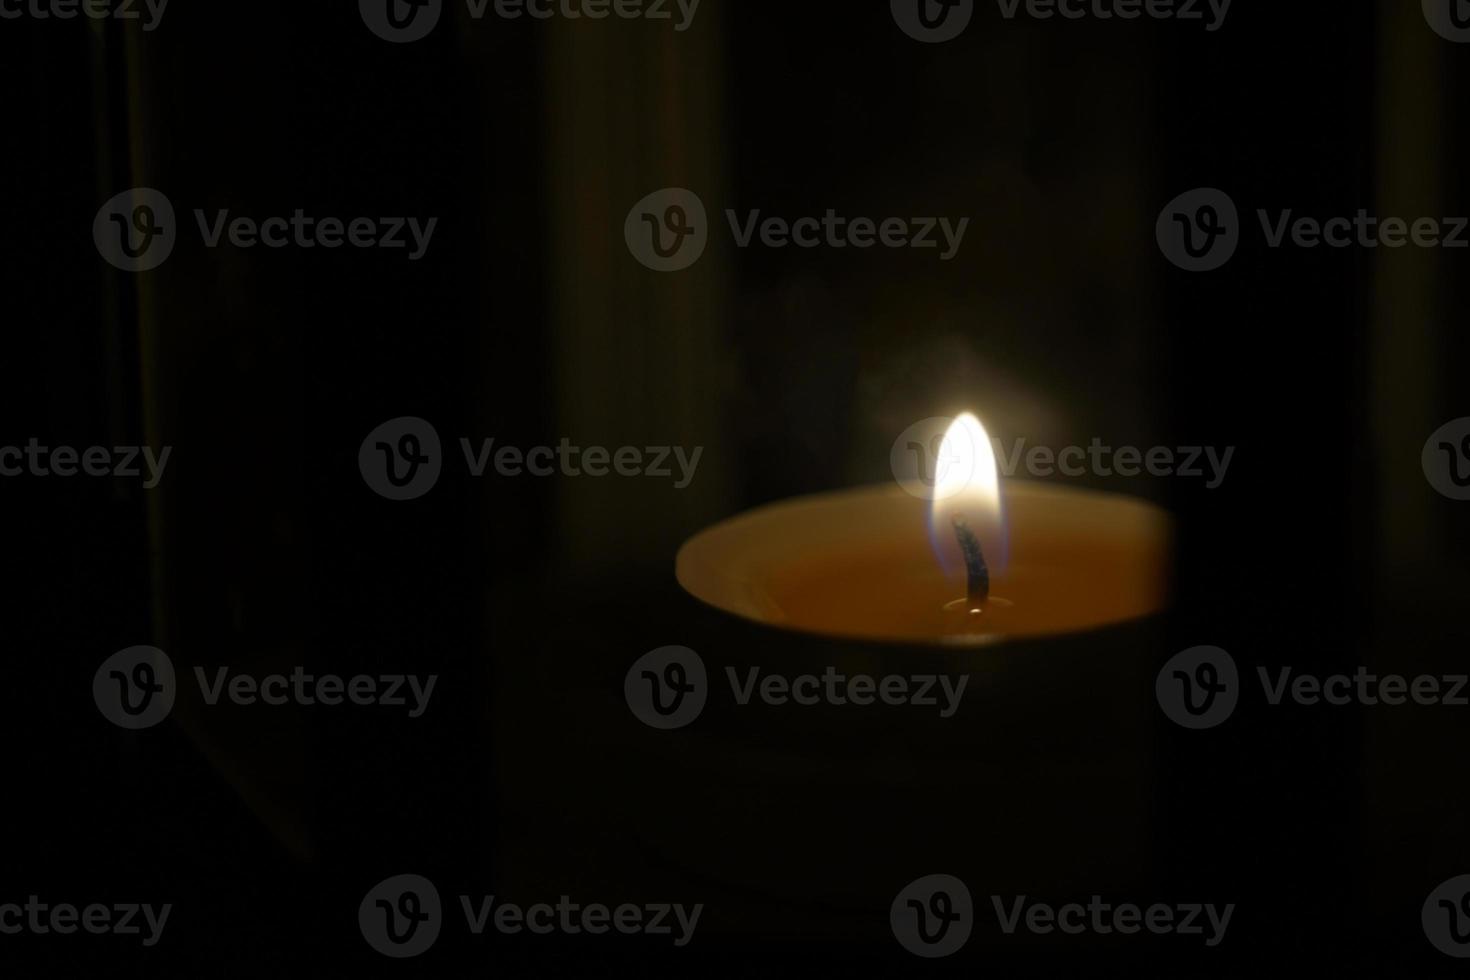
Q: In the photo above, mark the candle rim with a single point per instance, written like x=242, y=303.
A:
x=719, y=567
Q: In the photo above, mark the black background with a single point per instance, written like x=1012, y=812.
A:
x=1326, y=827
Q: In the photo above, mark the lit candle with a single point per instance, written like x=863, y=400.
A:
x=1039, y=596
x=983, y=560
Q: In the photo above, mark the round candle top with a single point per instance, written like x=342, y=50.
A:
x=869, y=564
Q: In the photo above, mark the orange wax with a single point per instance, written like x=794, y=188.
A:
x=859, y=564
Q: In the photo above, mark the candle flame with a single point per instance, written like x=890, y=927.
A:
x=967, y=490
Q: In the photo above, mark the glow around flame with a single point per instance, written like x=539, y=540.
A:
x=967, y=487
